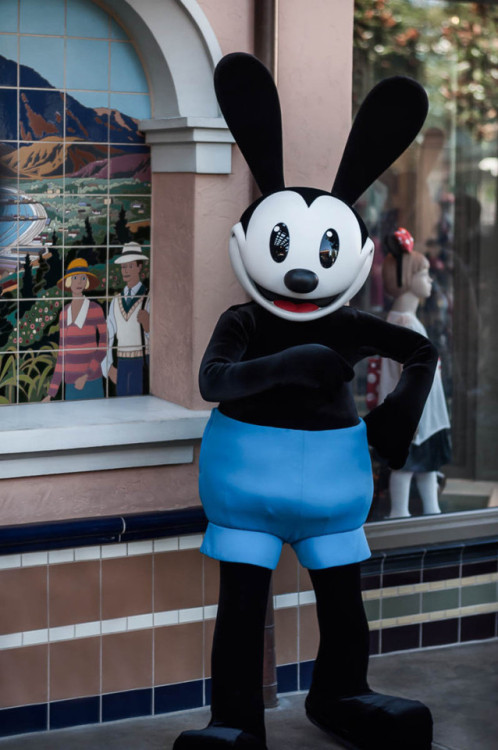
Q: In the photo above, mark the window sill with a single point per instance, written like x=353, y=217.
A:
x=75, y=436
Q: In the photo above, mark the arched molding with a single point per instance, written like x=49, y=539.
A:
x=179, y=51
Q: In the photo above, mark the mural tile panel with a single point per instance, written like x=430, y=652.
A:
x=8, y=60
x=35, y=373
x=86, y=168
x=42, y=59
x=85, y=220
x=127, y=73
x=8, y=325
x=126, y=110
x=9, y=16
x=93, y=74
x=129, y=220
x=8, y=121
x=87, y=116
x=9, y=365
x=86, y=20
x=42, y=18
x=41, y=117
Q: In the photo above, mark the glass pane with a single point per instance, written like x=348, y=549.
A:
x=443, y=190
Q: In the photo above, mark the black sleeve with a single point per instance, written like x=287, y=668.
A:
x=392, y=425
x=225, y=374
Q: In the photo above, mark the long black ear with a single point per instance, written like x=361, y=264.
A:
x=387, y=122
x=248, y=98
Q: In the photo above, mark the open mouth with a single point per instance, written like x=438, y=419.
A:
x=293, y=305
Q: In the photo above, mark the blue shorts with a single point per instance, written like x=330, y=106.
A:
x=263, y=486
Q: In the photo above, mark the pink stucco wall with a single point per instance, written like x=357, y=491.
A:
x=192, y=282
x=191, y=259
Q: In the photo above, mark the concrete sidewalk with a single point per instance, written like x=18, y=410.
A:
x=458, y=683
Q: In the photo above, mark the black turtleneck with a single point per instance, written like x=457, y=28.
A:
x=268, y=371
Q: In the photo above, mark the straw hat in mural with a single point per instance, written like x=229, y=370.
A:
x=131, y=251
x=77, y=266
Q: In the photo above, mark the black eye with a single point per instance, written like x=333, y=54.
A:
x=279, y=242
x=329, y=248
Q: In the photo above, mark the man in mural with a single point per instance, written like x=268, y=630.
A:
x=128, y=321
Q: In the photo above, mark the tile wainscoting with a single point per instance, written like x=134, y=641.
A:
x=113, y=618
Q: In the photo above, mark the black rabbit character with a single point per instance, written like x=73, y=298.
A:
x=285, y=456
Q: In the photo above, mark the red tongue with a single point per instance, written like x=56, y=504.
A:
x=298, y=307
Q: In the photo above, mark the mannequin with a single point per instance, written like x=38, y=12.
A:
x=406, y=277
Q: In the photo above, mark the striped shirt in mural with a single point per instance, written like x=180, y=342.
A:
x=81, y=350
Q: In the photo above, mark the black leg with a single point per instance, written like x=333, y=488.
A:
x=342, y=660
x=237, y=656
x=340, y=701
x=237, y=706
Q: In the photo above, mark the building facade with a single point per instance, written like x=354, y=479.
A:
x=117, y=137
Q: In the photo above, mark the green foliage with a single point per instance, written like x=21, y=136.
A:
x=450, y=47
x=36, y=322
x=35, y=374
x=8, y=379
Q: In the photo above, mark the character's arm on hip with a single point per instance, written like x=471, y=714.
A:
x=392, y=425
x=225, y=375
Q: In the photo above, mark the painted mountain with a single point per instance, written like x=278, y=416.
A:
x=41, y=121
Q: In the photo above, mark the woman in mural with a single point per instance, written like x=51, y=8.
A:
x=83, y=338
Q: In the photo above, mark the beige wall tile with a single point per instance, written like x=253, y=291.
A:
x=208, y=645
x=285, y=577
x=211, y=580
x=23, y=597
x=178, y=653
x=74, y=593
x=286, y=635
x=308, y=633
x=126, y=586
x=178, y=580
x=23, y=676
x=304, y=580
x=127, y=661
x=74, y=668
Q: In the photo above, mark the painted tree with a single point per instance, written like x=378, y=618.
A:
x=41, y=272
x=123, y=233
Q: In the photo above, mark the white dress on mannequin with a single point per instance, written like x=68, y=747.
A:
x=434, y=418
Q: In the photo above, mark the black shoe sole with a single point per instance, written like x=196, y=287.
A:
x=333, y=735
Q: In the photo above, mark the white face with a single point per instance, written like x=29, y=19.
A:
x=421, y=284
x=301, y=262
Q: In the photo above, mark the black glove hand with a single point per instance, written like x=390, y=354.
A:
x=313, y=366
x=390, y=433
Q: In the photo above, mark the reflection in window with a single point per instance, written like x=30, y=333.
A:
x=75, y=191
x=443, y=190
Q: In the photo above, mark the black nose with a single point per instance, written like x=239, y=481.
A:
x=300, y=280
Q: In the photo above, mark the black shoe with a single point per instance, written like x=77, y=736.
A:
x=218, y=738
x=372, y=721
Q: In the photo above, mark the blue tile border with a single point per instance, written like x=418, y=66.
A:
x=400, y=638
x=127, y=704
x=72, y=713
x=178, y=697
x=287, y=678
x=105, y=530
x=305, y=674
x=24, y=719
x=118, y=529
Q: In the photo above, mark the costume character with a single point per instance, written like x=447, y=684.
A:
x=82, y=338
x=284, y=457
x=405, y=274
x=128, y=322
